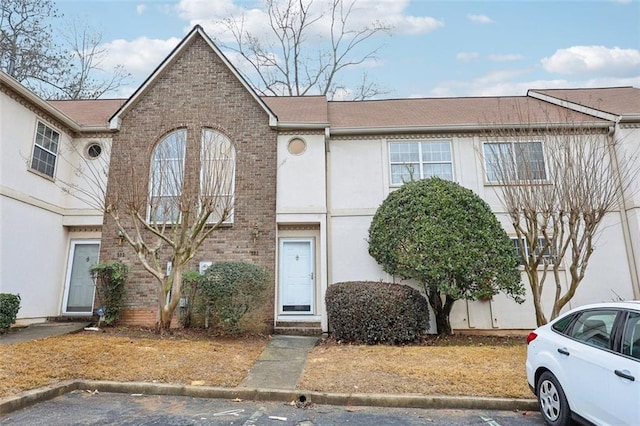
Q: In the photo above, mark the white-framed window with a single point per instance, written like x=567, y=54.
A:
x=45, y=150
x=166, y=177
x=522, y=244
x=413, y=160
x=514, y=161
x=217, y=174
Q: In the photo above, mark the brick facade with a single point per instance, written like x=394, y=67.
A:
x=197, y=90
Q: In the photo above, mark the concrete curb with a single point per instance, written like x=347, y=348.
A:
x=35, y=396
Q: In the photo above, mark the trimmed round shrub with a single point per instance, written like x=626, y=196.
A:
x=376, y=312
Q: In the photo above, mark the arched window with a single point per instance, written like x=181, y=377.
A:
x=217, y=176
x=166, y=177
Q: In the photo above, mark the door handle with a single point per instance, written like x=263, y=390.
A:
x=563, y=351
x=624, y=375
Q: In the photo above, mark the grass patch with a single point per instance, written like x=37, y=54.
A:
x=454, y=366
x=117, y=356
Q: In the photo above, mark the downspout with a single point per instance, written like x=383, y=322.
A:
x=624, y=217
x=327, y=236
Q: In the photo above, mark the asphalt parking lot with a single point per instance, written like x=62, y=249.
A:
x=82, y=407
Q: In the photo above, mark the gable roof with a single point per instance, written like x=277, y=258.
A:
x=606, y=102
x=197, y=31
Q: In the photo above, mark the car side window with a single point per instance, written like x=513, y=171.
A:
x=594, y=328
x=631, y=336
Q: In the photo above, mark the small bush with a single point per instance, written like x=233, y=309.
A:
x=232, y=289
x=376, y=312
x=9, y=307
x=191, y=280
x=111, y=278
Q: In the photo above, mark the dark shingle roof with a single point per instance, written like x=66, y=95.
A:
x=614, y=100
x=89, y=112
x=411, y=112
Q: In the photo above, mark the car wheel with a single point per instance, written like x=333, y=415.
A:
x=552, y=401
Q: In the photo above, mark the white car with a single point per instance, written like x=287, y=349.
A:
x=585, y=365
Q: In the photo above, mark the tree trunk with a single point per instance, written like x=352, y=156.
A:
x=441, y=311
x=169, y=306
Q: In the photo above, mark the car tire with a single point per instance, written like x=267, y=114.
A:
x=552, y=401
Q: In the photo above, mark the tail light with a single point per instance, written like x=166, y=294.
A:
x=531, y=337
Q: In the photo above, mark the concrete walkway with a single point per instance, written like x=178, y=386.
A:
x=281, y=363
x=40, y=331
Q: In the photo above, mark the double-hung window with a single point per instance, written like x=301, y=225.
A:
x=217, y=175
x=167, y=173
x=514, y=161
x=420, y=160
x=542, y=249
x=45, y=150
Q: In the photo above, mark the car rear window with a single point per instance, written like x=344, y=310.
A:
x=561, y=325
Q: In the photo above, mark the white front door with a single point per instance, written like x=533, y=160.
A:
x=296, y=276
x=80, y=287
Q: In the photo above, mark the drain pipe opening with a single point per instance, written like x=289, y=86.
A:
x=302, y=399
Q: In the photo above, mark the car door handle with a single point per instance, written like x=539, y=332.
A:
x=563, y=351
x=625, y=375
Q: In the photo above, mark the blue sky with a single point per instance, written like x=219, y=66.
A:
x=435, y=49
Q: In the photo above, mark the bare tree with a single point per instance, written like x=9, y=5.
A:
x=27, y=50
x=54, y=71
x=165, y=212
x=298, y=63
x=557, y=183
x=84, y=61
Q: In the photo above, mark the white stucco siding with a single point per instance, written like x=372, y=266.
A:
x=607, y=276
x=350, y=259
x=301, y=177
x=17, y=132
x=33, y=249
x=359, y=175
x=88, y=175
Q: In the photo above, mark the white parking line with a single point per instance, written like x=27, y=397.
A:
x=489, y=421
x=255, y=416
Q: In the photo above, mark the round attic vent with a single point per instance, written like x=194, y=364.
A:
x=297, y=146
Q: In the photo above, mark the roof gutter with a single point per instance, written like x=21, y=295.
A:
x=302, y=126
x=631, y=118
x=45, y=106
x=346, y=131
x=15, y=85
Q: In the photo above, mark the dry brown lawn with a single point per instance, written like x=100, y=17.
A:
x=455, y=366
x=462, y=367
x=118, y=357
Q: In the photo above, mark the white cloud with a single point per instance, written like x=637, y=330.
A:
x=467, y=56
x=506, y=57
x=480, y=19
x=594, y=59
x=140, y=56
x=415, y=24
x=140, y=9
x=512, y=83
x=255, y=20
